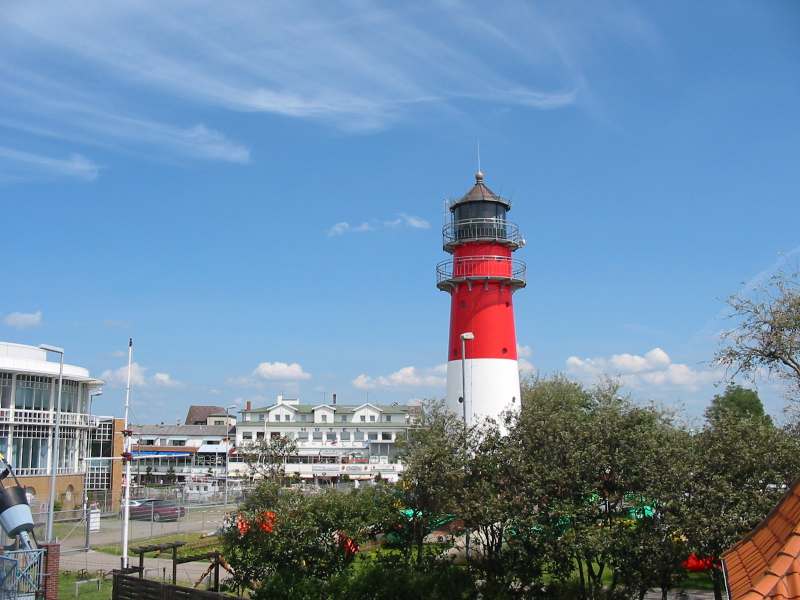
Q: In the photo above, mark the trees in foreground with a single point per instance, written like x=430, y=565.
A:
x=587, y=495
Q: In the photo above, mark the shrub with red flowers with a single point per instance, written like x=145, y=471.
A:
x=288, y=535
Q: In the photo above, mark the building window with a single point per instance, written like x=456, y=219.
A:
x=259, y=435
x=317, y=436
x=372, y=418
x=5, y=390
x=247, y=435
x=70, y=391
x=287, y=417
x=302, y=436
x=177, y=443
x=372, y=436
x=261, y=417
x=386, y=436
x=345, y=435
x=324, y=418
x=331, y=437
x=30, y=445
x=33, y=393
x=388, y=418
x=277, y=418
x=363, y=419
x=358, y=436
x=275, y=435
x=343, y=418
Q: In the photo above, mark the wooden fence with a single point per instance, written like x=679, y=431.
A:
x=130, y=587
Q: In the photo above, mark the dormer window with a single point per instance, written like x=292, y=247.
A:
x=287, y=417
x=324, y=418
x=277, y=418
x=363, y=418
x=372, y=418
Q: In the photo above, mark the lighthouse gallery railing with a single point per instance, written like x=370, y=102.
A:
x=488, y=228
x=471, y=268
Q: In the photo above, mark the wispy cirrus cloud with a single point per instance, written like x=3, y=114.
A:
x=20, y=164
x=21, y=320
x=402, y=220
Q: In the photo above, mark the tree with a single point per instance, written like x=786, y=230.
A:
x=767, y=335
x=266, y=459
x=738, y=401
x=740, y=470
x=432, y=480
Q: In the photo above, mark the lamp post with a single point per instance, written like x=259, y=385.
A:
x=467, y=335
x=54, y=449
x=227, y=441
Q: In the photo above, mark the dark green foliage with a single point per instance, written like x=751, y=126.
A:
x=737, y=401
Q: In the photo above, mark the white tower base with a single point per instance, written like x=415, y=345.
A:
x=492, y=388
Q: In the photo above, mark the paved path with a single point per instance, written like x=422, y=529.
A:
x=154, y=567
x=682, y=595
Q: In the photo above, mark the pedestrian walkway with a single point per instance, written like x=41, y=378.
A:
x=683, y=595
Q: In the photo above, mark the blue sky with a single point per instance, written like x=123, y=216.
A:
x=254, y=191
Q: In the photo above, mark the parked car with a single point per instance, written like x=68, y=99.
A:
x=157, y=510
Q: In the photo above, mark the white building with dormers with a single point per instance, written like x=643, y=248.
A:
x=333, y=440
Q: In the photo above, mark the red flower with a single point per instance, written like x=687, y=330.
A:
x=242, y=525
x=267, y=521
x=695, y=564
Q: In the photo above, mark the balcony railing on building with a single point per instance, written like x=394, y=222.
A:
x=45, y=417
x=487, y=229
x=469, y=269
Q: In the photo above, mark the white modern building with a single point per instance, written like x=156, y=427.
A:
x=28, y=400
x=333, y=440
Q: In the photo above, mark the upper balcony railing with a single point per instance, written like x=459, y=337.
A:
x=450, y=273
x=488, y=229
x=22, y=416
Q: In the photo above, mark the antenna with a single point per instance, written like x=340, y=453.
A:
x=479, y=154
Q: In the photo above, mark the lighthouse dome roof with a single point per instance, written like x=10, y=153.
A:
x=480, y=192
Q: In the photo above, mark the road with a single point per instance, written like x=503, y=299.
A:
x=198, y=519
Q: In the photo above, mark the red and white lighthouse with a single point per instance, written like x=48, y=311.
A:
x=481, y=278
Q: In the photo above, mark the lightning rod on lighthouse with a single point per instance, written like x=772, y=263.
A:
x=481, y=279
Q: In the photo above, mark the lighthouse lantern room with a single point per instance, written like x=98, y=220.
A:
x=481, y=278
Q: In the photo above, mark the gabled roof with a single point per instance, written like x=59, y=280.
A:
x=766, y=563
x=198, y=414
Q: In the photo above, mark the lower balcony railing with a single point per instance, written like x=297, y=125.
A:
x=480, y=268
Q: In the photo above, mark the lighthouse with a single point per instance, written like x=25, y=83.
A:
x=481, y=278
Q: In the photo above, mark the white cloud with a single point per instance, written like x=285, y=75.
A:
x=405, y=377
x=526, y=367
x=21, y=320
x=402, y=220
x=655, y=368
x=119, y=377
x=281, y=371
x=139, y=378
x=19, y=163
x=165, y=380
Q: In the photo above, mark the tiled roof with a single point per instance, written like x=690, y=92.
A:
x=766, y=564
x=198, y=414
x=480, y=192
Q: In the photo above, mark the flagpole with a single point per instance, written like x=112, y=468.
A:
x=126, y=453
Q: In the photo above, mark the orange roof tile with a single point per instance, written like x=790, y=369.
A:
x=766, y=563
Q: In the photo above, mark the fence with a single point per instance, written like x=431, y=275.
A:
x=8, y=579
x=27, y=572
x=130, y=587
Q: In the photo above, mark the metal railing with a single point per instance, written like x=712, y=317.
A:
x=481, y=229
x=27, y=572
x=26, y=416
x=480, y=268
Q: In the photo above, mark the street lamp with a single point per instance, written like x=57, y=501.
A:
x=227, y=449
x=467, y=335
x=54, y=448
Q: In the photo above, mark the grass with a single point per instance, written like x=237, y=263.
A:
x=66, y=588
x=195, y=543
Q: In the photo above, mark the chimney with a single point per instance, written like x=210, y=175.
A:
x=247, y=405
x=334, y=399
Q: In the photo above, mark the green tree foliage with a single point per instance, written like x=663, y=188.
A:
x=266, y=459
x=740, y=470
x=738, y=401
